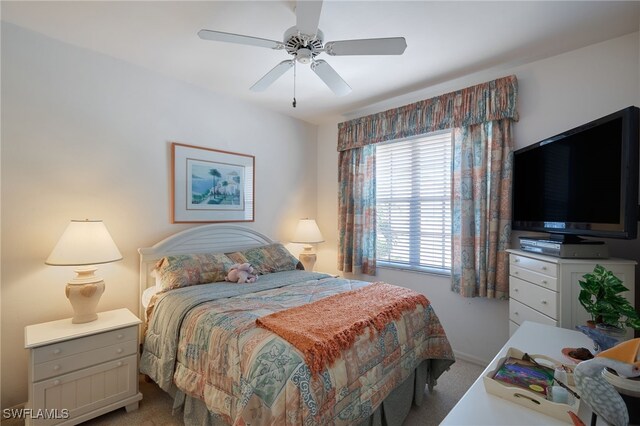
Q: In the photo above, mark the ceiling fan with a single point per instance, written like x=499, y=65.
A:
x=304, y=42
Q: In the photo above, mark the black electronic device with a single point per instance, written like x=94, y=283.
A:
x=583, y=182
x=586, y=249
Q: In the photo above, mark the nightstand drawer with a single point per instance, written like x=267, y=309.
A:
x=540, y=299
x=87, y=390
x=518, y=313
x=535, y=265
x=543, y=280
x=83, y=344
x=83, y=359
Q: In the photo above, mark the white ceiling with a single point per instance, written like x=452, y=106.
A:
x=445, y=39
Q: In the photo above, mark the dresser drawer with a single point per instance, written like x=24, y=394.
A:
x=81, y=360
x=536, y=297
x=83, y=344
x=542, y=280
x=540, y=266
x=518, y=313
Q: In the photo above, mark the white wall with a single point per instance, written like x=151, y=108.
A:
x=88, y=136
x=555, y=94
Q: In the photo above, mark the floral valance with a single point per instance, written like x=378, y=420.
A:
x=493, y=100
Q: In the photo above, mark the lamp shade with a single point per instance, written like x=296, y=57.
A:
x=307, y=232
x=84, y=242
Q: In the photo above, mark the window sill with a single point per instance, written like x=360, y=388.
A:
x=417, y=269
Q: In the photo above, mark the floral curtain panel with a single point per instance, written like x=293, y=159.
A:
x=357, y=205
x=481, y=116
x=481, y=208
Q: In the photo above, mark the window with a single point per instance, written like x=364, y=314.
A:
x=413, y=203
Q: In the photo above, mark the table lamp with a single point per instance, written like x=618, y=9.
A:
x=84, y=243
x=307, y=233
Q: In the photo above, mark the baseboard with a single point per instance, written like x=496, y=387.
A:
x=15, y=415
x=17, y=406
x=470, y=358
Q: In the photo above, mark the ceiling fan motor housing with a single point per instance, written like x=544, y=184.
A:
x=304, y=47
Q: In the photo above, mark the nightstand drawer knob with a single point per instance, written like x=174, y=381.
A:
x=56, y=367
x=516, y=313
x=120, y=336
x=119, y=364
x=544, y=281
x=544, y=302
x=56, y=382
x=57, y=351
x=515, y=272
x=516, y=290
x=120, y=350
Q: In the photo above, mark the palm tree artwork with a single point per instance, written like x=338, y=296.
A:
x=223, y=188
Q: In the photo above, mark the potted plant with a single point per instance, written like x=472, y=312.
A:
x=600, y=297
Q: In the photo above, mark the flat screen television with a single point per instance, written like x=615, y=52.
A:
x=582, y=182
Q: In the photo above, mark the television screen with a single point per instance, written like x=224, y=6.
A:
x=581, y=182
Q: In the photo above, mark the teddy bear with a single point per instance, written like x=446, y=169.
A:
x=241, y=273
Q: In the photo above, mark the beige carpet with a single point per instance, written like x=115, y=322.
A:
x=451, y=387
x=155, y=407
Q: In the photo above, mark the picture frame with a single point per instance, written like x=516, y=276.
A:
x=211, y=185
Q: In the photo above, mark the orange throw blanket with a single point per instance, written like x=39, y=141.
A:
x=322, y=329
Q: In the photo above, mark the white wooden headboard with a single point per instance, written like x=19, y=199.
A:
x=214, y=238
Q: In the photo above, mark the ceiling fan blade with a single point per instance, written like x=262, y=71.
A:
x=240, y=39
x=367, y=46
x=308, y=16
x=275, y=73
x=330, y=77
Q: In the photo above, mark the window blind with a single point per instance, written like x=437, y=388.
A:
x=413, y=202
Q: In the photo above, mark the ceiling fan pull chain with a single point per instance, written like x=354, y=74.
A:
x=294, y=84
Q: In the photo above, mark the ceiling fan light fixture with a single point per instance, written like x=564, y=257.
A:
x=304, y=55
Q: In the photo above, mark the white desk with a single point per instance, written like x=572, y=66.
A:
x=477, y=407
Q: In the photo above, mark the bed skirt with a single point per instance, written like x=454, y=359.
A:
x=392, y=412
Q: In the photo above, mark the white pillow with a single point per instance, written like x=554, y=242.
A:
x=147, y=295
x=158, y=280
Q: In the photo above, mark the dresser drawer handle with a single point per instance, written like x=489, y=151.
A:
x=516, y=290
x=544, y=302
x=544, y=268
x=119, y=350
x=515, y=272
x=516, y=260
x=516, y=313
x=56, y=382
x=120, y=336
x=544, y=281
x=56, y=367
x=119, y=364
x=57, y=351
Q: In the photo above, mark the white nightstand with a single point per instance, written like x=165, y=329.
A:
x=80, y=371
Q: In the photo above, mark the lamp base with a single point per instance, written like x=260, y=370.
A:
x=84, y=293
x=308, y=258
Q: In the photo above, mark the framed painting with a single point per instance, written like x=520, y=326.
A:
x=210, y=185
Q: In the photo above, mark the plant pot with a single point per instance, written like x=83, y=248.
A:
x=591, y=324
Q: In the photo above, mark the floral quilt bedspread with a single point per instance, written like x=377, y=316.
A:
x=250, y=376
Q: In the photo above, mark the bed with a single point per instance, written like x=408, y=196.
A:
x=202, y=345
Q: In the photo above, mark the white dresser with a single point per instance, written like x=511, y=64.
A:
x=545, y=289
x=80, y=371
